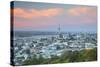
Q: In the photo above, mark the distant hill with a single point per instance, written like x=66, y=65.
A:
x=32, y=33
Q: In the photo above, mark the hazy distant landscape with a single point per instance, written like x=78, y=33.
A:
x=36, y=33
x=32, y=33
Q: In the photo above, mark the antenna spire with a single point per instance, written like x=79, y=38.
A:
x=59, y=28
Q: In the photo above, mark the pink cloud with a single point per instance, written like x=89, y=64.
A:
x=79, y=11
x=18, y=12
x=22, y=24
x=88, y=20
x=41, y=19
x=35, y=23
x=82, y=15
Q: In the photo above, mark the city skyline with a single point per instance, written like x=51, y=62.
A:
x=47, y=17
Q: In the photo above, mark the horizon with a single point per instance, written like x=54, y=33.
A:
x=54, y=31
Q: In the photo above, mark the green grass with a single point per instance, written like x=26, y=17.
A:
x=81, y=56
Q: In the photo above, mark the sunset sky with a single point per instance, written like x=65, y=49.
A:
x=33, y=16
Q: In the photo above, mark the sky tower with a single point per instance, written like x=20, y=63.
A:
x=59, y=29
x=59, y=32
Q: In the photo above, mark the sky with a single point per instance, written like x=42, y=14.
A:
x=36, y=16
